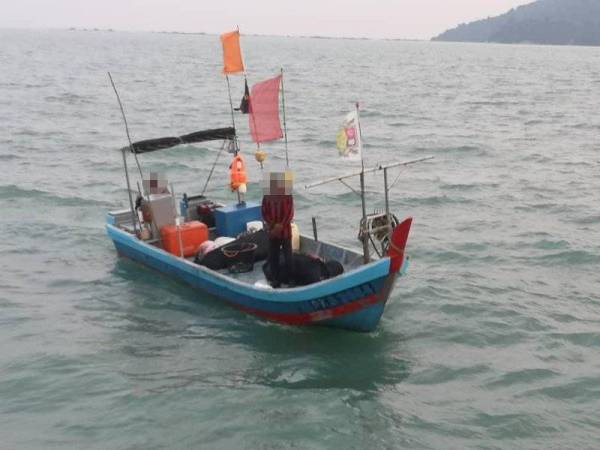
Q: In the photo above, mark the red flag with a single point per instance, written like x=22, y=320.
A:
x=264, y=111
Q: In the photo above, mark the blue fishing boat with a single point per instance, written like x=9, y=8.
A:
x=354, y=300
x=174, y=240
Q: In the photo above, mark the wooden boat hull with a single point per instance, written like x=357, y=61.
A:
x=353, y=301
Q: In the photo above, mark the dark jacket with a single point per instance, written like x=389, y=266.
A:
x=278, y=213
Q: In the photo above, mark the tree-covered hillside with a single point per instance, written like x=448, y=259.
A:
x=558, y=22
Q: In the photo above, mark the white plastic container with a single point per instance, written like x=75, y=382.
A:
x=295, y=238
x=223, y=240
x=254, y=226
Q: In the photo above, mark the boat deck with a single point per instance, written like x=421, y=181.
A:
x=350, y=259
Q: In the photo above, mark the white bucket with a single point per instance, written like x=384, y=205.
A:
x=254, y=226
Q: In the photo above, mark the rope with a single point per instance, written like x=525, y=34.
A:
x=231, y=253
x=212, y=169
x=396, y=180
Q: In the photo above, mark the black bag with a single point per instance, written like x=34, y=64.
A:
x=307, y=269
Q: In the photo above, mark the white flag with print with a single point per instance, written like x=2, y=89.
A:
x=348, y=138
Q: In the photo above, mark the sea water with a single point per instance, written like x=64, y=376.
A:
x=492, y=340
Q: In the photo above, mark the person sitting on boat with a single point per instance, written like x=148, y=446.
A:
x=278, y=213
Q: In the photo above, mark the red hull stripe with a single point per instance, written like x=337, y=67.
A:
x=317, y=316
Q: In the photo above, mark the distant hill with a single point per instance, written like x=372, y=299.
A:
x=554, y=22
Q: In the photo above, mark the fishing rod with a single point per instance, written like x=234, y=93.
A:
x=133, y=214
x=126, y=126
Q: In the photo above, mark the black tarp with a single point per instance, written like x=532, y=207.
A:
x=152, y=145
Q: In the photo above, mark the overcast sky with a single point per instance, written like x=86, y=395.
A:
x=418, y=19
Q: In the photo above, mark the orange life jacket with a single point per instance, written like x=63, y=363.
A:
x=238, y=172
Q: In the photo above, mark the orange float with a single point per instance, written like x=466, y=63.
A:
x=238, y=173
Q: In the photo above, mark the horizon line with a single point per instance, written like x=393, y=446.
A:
x=208, y=33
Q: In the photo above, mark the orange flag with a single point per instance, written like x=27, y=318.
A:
x=232, y=54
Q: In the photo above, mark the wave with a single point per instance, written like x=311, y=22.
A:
x=370, y=113
x=587, y=220
x=533, y=122
x=12, y=192
x=582, y=390
x=474, y=150
x=445, y=256
x=546, y=244
x=534, y=234
x=443, y=374
x=583, y=339
x=400, y=124
x=564, y=258
x=493, y=103
x=437, y=200
x=538, y=206
x=523, y=376
x=68, y=98
x=9, y=157
x=467, y=187
x=538, y=158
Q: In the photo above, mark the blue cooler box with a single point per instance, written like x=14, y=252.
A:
x=231, y=220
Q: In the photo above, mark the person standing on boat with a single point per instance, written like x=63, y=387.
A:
x=278, y=213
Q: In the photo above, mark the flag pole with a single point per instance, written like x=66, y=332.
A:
x=365, y=241
x=253, y=119
x=249, y=98
x=235, y=142
x=243, y=62
x=287, y=160
x=362, y=161
x=237, y=149
x=243, y=65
